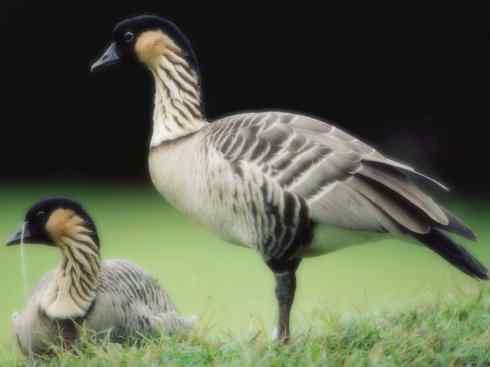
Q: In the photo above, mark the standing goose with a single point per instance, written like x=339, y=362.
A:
x=112, y=296
x=283, y=184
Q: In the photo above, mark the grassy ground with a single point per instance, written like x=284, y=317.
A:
x=342, y=301
x=448, y=334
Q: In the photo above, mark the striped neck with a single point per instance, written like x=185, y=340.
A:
x=73, y=288
x=177, y=106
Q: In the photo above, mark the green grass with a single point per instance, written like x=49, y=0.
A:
x=342, y=301
x=446, y=334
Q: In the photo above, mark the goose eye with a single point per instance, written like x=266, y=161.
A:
x=40, y=213
x=128, y=37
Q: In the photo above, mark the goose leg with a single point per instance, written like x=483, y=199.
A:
x=285, y=274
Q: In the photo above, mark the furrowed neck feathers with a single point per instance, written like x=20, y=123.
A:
x=73, y=287
x=177, y=103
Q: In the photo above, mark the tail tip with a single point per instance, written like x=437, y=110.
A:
x=484, y=275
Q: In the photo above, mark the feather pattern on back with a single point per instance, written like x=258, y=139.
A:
x=341, y=180
x=320, y=163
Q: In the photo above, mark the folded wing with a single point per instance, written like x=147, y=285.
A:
x=344, y=181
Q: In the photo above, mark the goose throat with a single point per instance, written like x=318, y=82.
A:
x=73, y=288
x=177, y=103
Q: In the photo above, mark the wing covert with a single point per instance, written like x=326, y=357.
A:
x=344, y=181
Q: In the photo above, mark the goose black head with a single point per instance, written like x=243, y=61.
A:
x=144, y=38
x=47, y=221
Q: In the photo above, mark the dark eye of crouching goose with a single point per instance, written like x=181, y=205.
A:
x=284, y=184
x=114, y=296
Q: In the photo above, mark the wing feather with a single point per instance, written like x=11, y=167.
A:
x=399, y=184
x=345, y=181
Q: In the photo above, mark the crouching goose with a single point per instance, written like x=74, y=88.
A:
x=113, y=296
x=283, y=184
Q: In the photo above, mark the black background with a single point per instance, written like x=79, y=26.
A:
x=413, y=82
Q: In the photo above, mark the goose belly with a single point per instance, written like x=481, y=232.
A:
x=329, y=238
x=207, y=195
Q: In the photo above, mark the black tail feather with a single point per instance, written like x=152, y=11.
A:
x=454, y=253
x=457, y=226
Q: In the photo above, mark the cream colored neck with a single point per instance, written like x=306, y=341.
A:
x=177, y=110
x=73, y=287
